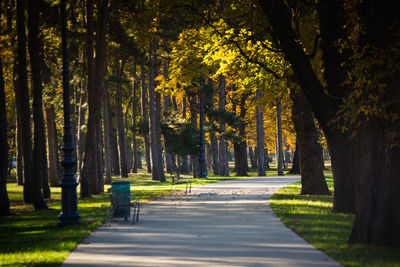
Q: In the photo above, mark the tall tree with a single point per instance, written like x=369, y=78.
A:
x=4, y=201
x=107, y=136
x=135, y=154
x=39, y=145
x=154, y=108
x=241, y=151
x=260, y=137
x=280, y=17
x=22, y=101
x=123, y=164
x=222, y=145
x=279, y=152
x=145, y=119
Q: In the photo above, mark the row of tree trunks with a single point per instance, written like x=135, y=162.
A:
x=310, y=151
x=222, y=145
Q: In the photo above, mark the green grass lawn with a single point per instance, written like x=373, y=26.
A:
x=311, y=217
x=32, y=238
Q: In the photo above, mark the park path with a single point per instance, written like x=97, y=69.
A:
x=223, y=224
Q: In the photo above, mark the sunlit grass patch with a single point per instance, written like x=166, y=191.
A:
x=312, y=218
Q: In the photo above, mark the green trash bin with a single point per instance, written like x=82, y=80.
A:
x=121, y=199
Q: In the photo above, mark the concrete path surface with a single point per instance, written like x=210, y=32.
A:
x=222, y=224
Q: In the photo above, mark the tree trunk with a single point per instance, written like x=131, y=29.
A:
x=241, y=155
x=52, y=147
x=324, y=107
x=22, y=103
x=184, y=159
x=279, y=153
x=296, y=161
x=107, y=123
x=91, y=179
x=222, y=149
x=135, y=155
x=260, y=137
x=154, y=102
x=168, y=159
x=377, y=185
x=310, y=151
x=123, y=165
x=40, y=178
x=100, y=67
x=20, y=165
x=80, y=133
x=145, y=118
x=253, y=161
x=4, y=201
x=193, y=120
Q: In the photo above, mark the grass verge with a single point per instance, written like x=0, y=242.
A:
x=311, y=217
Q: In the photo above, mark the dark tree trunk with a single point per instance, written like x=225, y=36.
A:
x=22, y=103
x=135, y=155
x=296, y=161
x=107, y=136
x=80, y=133
x=377, y=168
x=184, y=159
x=19, y=170
x=100, y=67
x=279, y=152
x=241, y=155
x=154, y=107
x=266, y=159
x=214, y=153
x=222, y=148
x=168, y=159
x=260, y=137
x=89, y=167
x=324, y=107
x=52, y=147
x=145, y=118
x=123, y=165
x=253, y=160
x=39, y=137
x=4, y=201
x=193, y=120
x=311, y=161
x=92, y=173
x=377, y=185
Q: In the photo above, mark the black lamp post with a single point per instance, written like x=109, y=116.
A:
x=69, y=201
x=202, y=156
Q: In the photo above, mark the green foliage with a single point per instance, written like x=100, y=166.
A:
x=181, y=137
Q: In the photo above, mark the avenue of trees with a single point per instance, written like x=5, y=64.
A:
x=273, y=76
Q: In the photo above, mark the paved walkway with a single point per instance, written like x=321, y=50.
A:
x=223, y=224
